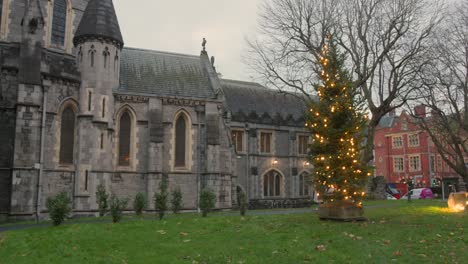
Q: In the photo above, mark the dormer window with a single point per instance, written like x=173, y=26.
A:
x=59, y=23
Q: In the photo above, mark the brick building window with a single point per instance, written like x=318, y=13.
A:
x=415, y=163
x=59, y=22
x=272, y=184
x=398, y=164
x=303, y=184
x=67, y=136
x=265, y=142
x=439, y=164
x=397, y=142
x=303, y=145
x=413, y=140
x=125, y=131
x=180, y=141
x=238, y=140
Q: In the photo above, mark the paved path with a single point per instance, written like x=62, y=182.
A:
x=20, y=226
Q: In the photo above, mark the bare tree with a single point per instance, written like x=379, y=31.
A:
x=386, y=42
x=445, y=91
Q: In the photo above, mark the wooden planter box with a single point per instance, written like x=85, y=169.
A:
x=341, y=211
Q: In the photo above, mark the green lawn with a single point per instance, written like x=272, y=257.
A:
x=419, y=232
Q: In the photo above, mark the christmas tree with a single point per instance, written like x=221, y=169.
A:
x=337, y=128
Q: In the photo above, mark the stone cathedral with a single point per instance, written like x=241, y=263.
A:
x=79, y=109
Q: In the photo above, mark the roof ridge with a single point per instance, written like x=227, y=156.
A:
x=162, y=52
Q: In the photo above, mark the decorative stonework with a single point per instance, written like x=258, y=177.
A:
x=182, y=102
x=132, y=99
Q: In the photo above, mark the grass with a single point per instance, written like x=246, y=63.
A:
x=421, y=231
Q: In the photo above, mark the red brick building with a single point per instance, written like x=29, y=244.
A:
x=404, y=152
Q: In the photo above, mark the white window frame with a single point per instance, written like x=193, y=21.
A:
x=68, y=45
x=394, y=141
x=414, y=163
x=413, y=140
x=397, y=168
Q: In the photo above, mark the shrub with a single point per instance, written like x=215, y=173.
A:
x=243, y=203
x=207, y=201
x=116, y=208
x=161, y=198
x=140, y=203
x=59, y=207
x=101, y=200
x=176, y=200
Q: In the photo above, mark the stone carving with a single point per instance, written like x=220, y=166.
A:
x=182, y=102
x=132, y=99
x=204, y=44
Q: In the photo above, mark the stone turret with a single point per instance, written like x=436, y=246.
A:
x=98, y=44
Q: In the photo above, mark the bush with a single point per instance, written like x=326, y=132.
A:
x=101, y=199
x=140, y=203
x=176, y=201
x=243, y=203
x=59, y=207
x=161, y=198
x=116, y=208
x=207, y=201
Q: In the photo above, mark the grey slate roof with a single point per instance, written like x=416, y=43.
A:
x=387, y=121
x=99, y=20
x=250, y=97
x=163, y=74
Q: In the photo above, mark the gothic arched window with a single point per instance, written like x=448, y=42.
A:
x=91, y=52
x=125, y=131
x=116, y=61
x=59, y=22
x=303, y=184
x=67, y=136
x=106, y=55
x=180, y=141
x=272, y=182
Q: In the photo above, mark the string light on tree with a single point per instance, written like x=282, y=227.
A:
x=338, y=129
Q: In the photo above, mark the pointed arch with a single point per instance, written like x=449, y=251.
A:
x=106, y=56
x=91, y=53
x=182, y=141
x=126, y=120
x=68, y=111
x=273, y=183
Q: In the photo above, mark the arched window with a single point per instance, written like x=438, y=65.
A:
x=116, y=61
x=67, y=136
x=125, y=139
x=59, y=22
x=180, y=141
x=91, y=53
x=272, y=182
x=303, y=184
x=106, y=55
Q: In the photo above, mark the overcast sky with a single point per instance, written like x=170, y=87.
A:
x=179, y=26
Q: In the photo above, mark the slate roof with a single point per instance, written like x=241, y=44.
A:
x=99, y=20
x=163, y=74
x=387, y=121
x=250, y=97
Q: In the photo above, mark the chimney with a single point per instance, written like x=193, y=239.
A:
x=420, y=111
